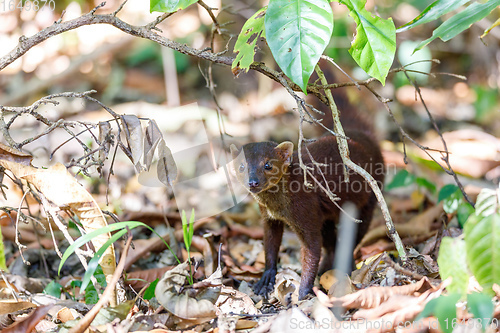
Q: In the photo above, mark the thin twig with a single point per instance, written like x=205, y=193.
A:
x=18, y=243
x=9, y=286
x=445, y=155
x=212, y=16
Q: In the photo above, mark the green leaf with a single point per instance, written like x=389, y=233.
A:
x=100, y=277
x=486, y=101
x=487, y=202
x=91, y=295
x=401, y=178
x=461, y=21
x=446, y=191
x=450, y=204
x=112, y=227
x=252, y=30
x=191, y=227
x=150, y=290
x=297, y=33
x=481, y=306
x=53, y=289
x=374, y=46
x=482, y=239
x=3, y=265
x=185, y=232
x=464, y=210
x=444, y=309
x=94, y=262
x=433, y=11
x=88, y=237
x=422, y=182
x=169, y=6
x=451, y=196
x=187, y=229
x=452, y=262
x=75, y=283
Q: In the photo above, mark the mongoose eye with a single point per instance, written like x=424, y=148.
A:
x=268, y=166
x=242, y=167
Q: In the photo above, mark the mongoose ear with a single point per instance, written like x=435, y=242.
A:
x=234, y=151
x=285, y=151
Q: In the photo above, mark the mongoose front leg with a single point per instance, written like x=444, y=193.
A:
x=273, y=233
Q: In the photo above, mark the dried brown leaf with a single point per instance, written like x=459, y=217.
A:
x=10, y=306
x=398, y=311
x=394, y=303
x=104, y=133
x=327, y=279
x=28, y=324
x=13, y=155
x=342, y=286
x=374, y=296
x=286, y=288
x=167, y=170
x=364, y=274
x=472, y=152
x=151, y=139
x=234, y=301
x=66, y=314
x=61, y=189
x=418, y=225
x=183, y=302
x=138, y=279
x=132, y=130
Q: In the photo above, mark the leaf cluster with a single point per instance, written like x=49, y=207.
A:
x=475, y=255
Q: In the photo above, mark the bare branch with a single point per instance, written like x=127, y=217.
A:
x=344, y=153
x=146, y=32
x=446, y=154
x=211, y=13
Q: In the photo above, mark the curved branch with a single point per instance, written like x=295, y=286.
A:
x=145, y=31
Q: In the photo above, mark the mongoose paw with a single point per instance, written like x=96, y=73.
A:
x=266, y=283
x=305, y=293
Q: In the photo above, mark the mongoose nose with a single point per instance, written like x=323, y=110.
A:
x=253, y=183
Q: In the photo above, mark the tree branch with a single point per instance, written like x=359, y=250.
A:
x=344, y=153
x=146, y=32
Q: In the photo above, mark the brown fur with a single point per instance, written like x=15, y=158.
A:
x=272, y=174
x=284, y=199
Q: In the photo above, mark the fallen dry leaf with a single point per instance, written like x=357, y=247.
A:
x=195, y=305
x=286, y=288
x=10, y=306
x=67, y=314
x=374, y=296
x=397, y=311
x=232, y=300
x=13, y=155
x=418, y=225
x=365, y=272
x=343, y=286
x=327, y=279
x=62, y=190
x=472, y=152
x=292, y=320
x=29, y=323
